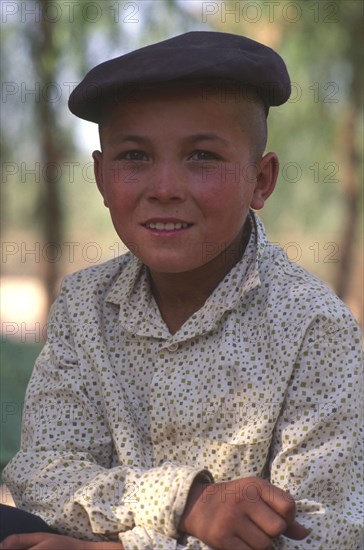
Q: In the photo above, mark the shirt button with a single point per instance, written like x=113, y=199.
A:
x=173, y=347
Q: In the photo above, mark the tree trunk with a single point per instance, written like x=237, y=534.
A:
x=45, y=57
x=351, y=197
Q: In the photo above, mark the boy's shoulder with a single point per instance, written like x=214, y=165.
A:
x=281, y=275
x=297, y=289
x=99, y=279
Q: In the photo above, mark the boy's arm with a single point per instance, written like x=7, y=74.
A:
x=315, y=458
x=64, y=471
x=47, y=541
x=315, y=451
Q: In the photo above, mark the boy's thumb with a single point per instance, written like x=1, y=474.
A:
x=296, y=531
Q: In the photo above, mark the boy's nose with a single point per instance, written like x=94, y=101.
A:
x=167, y=183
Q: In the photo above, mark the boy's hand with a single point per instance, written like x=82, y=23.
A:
x=242, y=514
x=45, y=541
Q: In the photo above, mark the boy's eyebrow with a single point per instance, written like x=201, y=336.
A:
x=209, y=136
x=127, y=137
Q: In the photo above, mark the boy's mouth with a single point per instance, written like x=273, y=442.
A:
x=166, y=225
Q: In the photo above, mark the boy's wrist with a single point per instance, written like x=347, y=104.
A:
x=199, y=484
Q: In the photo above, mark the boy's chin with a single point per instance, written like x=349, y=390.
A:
x=172, y=266
x=170, y=269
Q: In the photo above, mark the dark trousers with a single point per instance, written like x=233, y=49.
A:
x=14, y=521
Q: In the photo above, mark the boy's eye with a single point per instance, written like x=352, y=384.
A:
x=134, y=155
x=203, y=155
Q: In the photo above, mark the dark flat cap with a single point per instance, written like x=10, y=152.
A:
x=193, y=56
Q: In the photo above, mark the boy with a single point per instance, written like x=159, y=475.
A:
x=201, y=391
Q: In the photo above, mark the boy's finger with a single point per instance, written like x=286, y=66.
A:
x=253, y=535
x=296, y=531
x=280, y=501
x=268, y=521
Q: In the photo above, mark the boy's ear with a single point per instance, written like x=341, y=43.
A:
x=267, y=175
x=98, y=171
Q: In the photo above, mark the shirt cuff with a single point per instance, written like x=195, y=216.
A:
x=162, y=495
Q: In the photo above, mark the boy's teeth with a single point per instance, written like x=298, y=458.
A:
x=170, y=226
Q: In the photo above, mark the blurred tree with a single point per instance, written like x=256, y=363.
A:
x=46, y=43
x=318, y=131
x=56, y=44
x=351, y=124
x=45, y=54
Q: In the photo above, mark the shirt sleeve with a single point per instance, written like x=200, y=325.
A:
x=64, y=471
x=315, y=450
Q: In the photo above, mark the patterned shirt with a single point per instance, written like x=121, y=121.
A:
x=121, y=416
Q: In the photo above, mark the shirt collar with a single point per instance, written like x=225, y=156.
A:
x=140, y=315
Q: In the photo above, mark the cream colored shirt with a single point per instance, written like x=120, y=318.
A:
x=120, y=415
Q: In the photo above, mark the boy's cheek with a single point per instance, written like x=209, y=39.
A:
x=228, y=173
x=119, y=173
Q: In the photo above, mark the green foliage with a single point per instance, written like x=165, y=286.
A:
x=17, y=361
x=321, y=43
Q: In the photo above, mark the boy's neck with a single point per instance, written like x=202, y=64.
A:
x=180, y=295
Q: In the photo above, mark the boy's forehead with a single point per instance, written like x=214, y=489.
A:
x=222, y=103
x=202, y=59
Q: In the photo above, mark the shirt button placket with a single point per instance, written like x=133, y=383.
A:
x=172, y=347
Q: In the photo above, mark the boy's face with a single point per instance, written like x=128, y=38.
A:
x=179, y=172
